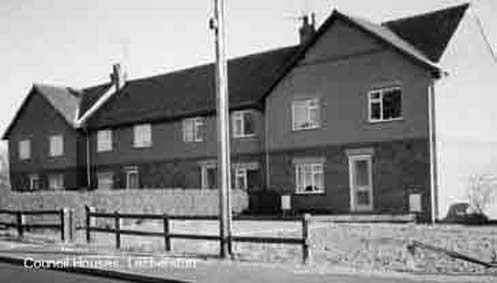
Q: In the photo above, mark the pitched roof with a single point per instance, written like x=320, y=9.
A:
x=191, y=91
x=422, y=38
x=431, y=32
x=64, y=100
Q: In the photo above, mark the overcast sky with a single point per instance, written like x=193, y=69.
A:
x=74, y=42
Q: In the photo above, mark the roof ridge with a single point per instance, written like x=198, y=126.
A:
x=427, y=13
x=193, y=67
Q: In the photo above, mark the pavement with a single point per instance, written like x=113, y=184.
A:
x=35, y=262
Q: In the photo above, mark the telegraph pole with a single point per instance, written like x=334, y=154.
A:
x=217, y=24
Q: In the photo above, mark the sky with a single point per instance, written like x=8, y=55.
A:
x=74, y=42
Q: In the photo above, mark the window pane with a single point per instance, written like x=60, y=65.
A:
x=105, y=180
x=212, y=178
x=142, y=135
x=299, y=115
x=374, y=95
x=24, y=149
x=363, y=197
x=392, y=104
x=237, y=124
x=56, y=145
x=308, y=181
x=56, y=181
x=361, y=173
x=104, y=140
x=375, y=111
x=188, y=130
x=249, y=123
x=314, y=116
x=199, y=129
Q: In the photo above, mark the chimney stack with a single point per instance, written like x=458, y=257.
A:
x=307, y=29
x=118, y=76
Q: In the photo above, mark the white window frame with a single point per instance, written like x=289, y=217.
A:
x=53, y=151
x=103, y=175
x=379, y=100
x=239, y=116
x=316, y=168
x=310, y=105
x=193, y=125
x=104, y=140
x=32, y=179
x=24, y=149
x=146, y=139
x=203, y=173
x=130, y=171
x=56, y=181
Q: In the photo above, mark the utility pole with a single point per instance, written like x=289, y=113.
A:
x=217, y=24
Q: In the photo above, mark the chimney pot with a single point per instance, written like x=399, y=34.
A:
x=118, y=76
x=307, y=30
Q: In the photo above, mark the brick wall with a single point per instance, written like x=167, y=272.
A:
x=398, y=166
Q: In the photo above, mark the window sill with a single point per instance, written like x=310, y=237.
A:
x=306, y=129
x=141, y=146
x=104, y=151
x=245, y=136
x=385, y=121
x=310, y=193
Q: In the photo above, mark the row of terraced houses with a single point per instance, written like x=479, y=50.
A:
x=347, y=120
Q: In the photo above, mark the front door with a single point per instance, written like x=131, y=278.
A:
x=361, y=183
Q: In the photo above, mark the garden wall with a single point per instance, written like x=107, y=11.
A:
x=170, y=201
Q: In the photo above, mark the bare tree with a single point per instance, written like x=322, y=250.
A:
x=481, y=191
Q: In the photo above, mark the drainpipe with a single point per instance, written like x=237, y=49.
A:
x=88, y=160
x=266, y=145
x=433, y=152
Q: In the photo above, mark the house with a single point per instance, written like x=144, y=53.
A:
x=355, y=118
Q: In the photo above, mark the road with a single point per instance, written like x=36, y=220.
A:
x=16, y=273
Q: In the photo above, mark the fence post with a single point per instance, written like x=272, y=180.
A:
x=117, y=228
x=167, y=239
x=71, y=225
x=89, y=222
x=20, y=223
x=62, y=216
x=305, y=237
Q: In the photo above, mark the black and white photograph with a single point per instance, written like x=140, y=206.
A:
x=264, y=141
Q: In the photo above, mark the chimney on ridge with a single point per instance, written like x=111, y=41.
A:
x=308, y=28
x=118, y=76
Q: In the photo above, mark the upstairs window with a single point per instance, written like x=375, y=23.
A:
x=194, y=129
x=243, y=124
x=305, y=114
x=309, y=178
x=24, y=149
x=142, y=135
x=56, y=147
x=56, y=181
x=385, y=104
x=104, y=140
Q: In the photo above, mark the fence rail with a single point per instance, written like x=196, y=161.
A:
x=167, y=234
x=21, y=225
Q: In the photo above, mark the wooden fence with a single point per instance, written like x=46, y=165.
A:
x=167, y=234
x=21, y=225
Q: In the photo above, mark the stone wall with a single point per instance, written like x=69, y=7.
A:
x=171, y=201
